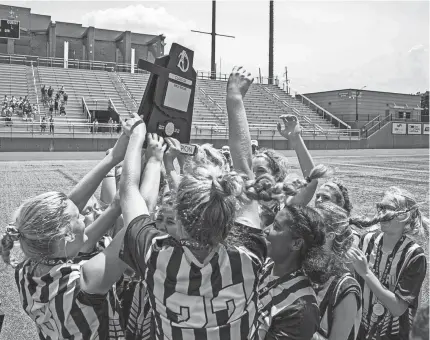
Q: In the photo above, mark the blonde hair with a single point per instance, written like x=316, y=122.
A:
x=39, y=223
x=207, y=155
x=209, y=197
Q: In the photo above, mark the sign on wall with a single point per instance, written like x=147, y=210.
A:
x=414, y=129
x=9, y=29
x=426, y=129
x=399, y=129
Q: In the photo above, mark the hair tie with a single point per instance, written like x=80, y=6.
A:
x=140, y=121
x=13, y=232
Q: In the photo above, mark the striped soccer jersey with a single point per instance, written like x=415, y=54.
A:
x=287, y=306
x=60, y=309
x=404, y=271
x=140, y=320
x=216, y=299
x=334, y=291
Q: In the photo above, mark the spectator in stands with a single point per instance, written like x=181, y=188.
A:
x=43, y=91
x=43, y=125
x=254, y=145
x=56, y=106
x=5, y=100
x=111, y=126
x=65, y=98
x=62, y=109
x=95, y=125
x=61, y=90
x=51, y=107
x=50, y=92
x=51, y=125
x=13, y=103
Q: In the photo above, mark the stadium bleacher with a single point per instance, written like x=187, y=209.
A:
x=264, y=103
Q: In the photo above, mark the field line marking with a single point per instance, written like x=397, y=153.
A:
x=380, y=167
x=369, y=156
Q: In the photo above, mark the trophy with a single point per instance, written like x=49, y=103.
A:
x=168, y=102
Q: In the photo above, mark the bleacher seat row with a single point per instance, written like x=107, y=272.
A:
x=262, y=109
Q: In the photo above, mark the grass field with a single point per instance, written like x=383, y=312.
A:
x=366, y=173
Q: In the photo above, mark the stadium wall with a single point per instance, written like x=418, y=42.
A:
x=383, y=139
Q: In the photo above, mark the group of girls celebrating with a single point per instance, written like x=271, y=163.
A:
x=197, y=248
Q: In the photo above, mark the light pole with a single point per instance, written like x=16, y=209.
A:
x=213, y=34
x=357, y=93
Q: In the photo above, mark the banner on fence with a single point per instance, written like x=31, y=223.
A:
x=414, y=129
x=425, y=129
x=399, y=129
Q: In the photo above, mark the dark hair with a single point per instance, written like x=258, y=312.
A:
x=420, y=326
x=341, y=195
x=277, y=163
x=309, y=227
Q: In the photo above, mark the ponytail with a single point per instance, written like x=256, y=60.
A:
x=265, y=187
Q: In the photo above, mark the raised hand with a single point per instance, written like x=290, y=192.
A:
x=292, y=128
x=118, y=151
x=174, y=150
x=359, y=261
x=239, y=82
x=155, y=147
x=133, y=125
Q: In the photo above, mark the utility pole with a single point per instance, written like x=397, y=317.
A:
x=287, y=81
x=213, y=34
x=357, y=93
x=271, y=19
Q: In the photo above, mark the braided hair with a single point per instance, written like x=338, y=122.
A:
x=404, y=203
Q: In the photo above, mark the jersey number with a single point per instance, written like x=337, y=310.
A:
x=196, y=311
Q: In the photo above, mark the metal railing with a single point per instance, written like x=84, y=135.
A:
x=324, y=113
x=294, y=110
x=35, y=90
x=220, y=113
x=85, y=110
x=381, y=123
x=87, y=130
x=125, y=88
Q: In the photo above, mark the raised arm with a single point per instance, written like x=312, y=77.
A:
x=292, y=132
x=132, y=202
x=173, y=152
x=239, y=137
x=86, y=187
x=149, y=188
x=102, y=225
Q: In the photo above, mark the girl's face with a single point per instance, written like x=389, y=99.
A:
x=279, y=237
x=324, y=194
x=391, y=225
x=91, y=211
x=76, y=237
x=260, y=166
x=166, y=220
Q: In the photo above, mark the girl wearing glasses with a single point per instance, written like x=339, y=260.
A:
x=391, y=267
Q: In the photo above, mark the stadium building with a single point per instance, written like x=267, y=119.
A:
x=40, y=36
x=357, y=107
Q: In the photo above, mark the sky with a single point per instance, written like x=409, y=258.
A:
x=383, y=45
